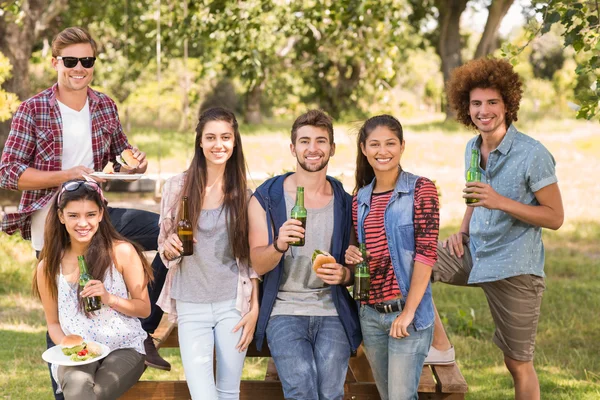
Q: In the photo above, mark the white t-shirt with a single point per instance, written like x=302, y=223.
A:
x=77, y=150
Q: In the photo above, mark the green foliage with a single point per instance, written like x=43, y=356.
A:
x=8, y=101
x=581, y=31
x=547, y=56
x=462, y=323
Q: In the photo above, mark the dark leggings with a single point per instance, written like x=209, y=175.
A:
x=140, y=227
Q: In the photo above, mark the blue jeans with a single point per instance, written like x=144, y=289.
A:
x=396, y=363
x=204, y=327
x=311, y=355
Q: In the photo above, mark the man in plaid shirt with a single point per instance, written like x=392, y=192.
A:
x=67, y=132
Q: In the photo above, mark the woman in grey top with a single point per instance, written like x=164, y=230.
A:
x=212, y=294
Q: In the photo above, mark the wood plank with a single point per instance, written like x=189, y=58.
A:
x=360, y=366
x=449, y=379
x=426, y=382
x=264, y=390
x=165, y=334
x=272, y=374
x=361, y=391
x=157, y=390
x=249, y=390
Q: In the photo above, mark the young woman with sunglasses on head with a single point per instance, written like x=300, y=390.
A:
x=212, y=294
x=77, y=225
x=396, y=214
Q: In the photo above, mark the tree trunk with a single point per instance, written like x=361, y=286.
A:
x=489, y=39
x=17, y=41
x=253, y=99
x=335, y=99
x=450, y=44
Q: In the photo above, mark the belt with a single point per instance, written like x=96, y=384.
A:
x=385, y=307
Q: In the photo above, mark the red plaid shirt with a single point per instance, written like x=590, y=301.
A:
x=35, y=141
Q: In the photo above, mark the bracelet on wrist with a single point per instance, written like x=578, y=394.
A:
x=277, y=248
x=344, y=275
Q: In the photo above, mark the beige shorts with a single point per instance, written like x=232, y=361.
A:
x=514, y=302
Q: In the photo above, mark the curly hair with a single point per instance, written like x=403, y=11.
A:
x=484, y=73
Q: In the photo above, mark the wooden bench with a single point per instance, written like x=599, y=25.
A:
x=437, y=382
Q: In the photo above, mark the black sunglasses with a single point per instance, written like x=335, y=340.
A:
x=71, y=62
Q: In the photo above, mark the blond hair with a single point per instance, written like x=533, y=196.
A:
x=70, y=36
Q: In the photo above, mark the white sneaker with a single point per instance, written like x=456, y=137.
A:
x=437, y=357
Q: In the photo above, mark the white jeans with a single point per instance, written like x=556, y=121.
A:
x=201, y=327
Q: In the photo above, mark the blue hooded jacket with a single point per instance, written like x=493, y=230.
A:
x=270, y=195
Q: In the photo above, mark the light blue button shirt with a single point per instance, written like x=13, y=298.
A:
x=501, y=245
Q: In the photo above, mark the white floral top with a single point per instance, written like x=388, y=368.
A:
x=106, y=326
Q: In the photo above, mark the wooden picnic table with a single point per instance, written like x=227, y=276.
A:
x=437, y=382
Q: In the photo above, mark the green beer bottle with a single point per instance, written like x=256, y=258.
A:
x=89, y=303
x=299, y=212
x=362, y=277
x=473, y=173
x=185, y=230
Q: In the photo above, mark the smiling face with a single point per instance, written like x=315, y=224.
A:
x=488, y=111
x=383, y=150
x=77, y=78
x=312, y=148
x=218, y=142
x=81, y=219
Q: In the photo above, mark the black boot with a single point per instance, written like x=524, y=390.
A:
x=153, y=359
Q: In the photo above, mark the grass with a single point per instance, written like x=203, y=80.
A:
x=568, y=341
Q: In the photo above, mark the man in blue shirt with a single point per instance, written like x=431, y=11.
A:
x=499, y=246
x=307, y=316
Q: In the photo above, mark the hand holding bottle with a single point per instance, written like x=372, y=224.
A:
x=95, y=288
x=291, y=231
x=173, y=247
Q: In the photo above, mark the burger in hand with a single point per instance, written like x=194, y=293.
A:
x=320, y=257
x=72, y=344
x=127, y=160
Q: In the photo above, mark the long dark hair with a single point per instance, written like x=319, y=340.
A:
x=364, y=171
x=235, y=189
x=99, y=254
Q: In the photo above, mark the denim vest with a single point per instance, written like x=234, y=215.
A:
x=400, y=234
x=270, y=195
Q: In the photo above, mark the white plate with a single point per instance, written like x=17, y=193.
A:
x=54, y=355
x=117, y=176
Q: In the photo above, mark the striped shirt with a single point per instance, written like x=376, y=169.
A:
x=384, y=285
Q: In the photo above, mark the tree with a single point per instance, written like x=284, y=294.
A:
x=348, y=50
x=446, y=37
x=21, y=23
x=581, y=22
x=8, y=101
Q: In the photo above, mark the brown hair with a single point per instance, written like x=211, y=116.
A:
x=484, y=73
x=364, y=171
x=70, y=36
x=235, y=189
x=316, y=118
x=99, y=254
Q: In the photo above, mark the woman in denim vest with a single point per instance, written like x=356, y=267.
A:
x=213, y=293
x=396, y=214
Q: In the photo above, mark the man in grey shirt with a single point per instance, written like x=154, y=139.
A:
x=308, y=317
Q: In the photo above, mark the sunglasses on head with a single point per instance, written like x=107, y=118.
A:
x=71, y=62
x=71, y=186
